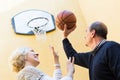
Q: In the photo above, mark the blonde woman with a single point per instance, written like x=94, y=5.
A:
x=24, y=61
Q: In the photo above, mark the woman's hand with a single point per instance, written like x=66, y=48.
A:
x=55, y=55
x=70, y=66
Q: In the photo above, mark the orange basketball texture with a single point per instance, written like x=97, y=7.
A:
x=65, y=17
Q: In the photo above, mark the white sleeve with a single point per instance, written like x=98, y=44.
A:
x=67, y=78
x=57, y=74
x=50, y=78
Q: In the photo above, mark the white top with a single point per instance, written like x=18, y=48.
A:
x=32, y=73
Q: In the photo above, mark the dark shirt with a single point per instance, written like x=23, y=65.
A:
x=103, y=64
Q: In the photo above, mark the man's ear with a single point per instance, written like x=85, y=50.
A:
x=93, y=33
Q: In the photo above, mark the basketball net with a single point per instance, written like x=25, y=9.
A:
x=38, y=25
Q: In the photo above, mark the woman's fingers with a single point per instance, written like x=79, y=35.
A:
x=53, y=51
x=73, y=59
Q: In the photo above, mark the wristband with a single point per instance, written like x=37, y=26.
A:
x=57, y=65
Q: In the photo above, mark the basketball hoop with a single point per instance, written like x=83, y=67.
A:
x=38, y=25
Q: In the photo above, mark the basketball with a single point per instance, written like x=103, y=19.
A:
x=65, y=17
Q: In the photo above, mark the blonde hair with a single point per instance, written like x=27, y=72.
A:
x=17, y=59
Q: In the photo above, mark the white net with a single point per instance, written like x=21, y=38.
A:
x=39, y=33
x=38, y=25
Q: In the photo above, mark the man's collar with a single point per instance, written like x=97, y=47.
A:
x=98, y=46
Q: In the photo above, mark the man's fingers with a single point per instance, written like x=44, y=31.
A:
x=73, y=28
x=65, y=27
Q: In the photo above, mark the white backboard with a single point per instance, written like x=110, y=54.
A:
x=20, y=20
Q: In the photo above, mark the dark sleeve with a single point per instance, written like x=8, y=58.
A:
x=81, y=59
x=113, y=57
